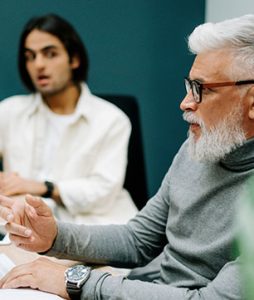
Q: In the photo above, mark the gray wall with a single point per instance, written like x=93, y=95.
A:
x=136, y=47
x=218, y=10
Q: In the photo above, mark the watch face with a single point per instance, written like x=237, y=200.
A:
x=77, y=273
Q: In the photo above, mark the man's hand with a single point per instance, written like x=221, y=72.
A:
x=13, y=184
x=42, y=274
x=30, y=223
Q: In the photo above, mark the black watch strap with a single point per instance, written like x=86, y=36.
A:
x=50, y=188
x=73, y=291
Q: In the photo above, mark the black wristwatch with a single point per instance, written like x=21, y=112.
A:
x=75, y=277
x=50, y=188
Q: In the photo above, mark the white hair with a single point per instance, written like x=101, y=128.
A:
x=236, y=35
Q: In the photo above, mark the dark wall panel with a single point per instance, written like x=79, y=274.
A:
x=136, y=47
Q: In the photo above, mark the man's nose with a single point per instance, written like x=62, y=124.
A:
x=39, y=61
x=188, y=103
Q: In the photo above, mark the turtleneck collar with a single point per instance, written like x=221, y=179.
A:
x=241, y=159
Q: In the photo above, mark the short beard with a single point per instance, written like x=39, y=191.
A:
x=215, y=143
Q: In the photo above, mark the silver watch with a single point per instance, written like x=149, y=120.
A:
x=75, y=277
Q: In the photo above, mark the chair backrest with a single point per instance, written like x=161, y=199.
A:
x=135, y=180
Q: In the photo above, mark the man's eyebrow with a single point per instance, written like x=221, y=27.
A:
x=199, y=79
x=49, y=47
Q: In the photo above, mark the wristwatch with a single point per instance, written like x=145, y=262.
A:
x=50, y=188
x=75, y=277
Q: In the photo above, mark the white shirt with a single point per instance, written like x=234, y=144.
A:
x=56, y=126
x=89, y=161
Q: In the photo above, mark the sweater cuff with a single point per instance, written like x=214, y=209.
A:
x=59, y=243
x=92, y=286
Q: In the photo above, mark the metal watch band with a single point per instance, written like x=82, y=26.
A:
x=50, y=187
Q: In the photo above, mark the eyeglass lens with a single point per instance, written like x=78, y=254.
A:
x=194, y=88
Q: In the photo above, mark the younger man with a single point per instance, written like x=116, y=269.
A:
x=61, y=141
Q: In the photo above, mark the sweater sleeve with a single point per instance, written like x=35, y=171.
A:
x=130, y=245
x=104, y=286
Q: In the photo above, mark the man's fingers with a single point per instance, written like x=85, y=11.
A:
x=18, y=230
x=21, y=281
x=6, y=202
x=39, y=205
x=5, y=208
x=21, y=242
x=13, y=273
x=20, y=276
x=6, y=214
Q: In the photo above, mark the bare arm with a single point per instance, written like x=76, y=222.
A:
x=12, y=184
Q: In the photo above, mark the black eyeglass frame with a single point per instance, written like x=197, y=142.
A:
x=196, y=86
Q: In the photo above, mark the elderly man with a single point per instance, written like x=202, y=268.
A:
x=190, y=219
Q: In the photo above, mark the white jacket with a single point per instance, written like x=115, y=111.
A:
x=91, y=160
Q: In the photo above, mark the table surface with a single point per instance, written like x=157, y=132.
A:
x=17, y=255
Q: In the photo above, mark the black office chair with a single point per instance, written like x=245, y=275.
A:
x=135, y=180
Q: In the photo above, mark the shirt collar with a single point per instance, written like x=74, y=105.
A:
x=83, y=108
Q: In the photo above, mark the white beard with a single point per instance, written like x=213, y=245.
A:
x=213, y=144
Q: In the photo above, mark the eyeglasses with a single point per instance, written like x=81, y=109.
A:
x=196, y=87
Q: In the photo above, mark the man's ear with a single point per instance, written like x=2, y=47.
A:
x=251, y=103
x=75, y=62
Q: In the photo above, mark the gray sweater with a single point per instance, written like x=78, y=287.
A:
x=190, y=219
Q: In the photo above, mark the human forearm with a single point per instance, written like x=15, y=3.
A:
x=142, y=239
x=33, y=187
x=12, y=184
x=227, y=285
x=103, y=245
x=105, y=286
